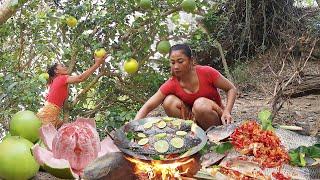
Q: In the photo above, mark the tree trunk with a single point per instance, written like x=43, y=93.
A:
x=8, y=9
x=308, y=84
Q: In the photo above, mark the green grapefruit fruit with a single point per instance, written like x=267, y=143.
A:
x=100, y=52
x=71, y=21
x=131, y=66
x=25, y=124
x=145, y=4
x=188, y=5
x=16, y=160
x=163, y=47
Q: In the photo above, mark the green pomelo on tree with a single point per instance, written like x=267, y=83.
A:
x=43, y=77
x=100, y=52
x=163, y=47
x=131, y=66
x=25, y=124
x=188, y=5
x=71, y=21
x=16, y=160
x=145, y=4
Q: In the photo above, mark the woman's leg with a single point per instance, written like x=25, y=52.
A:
x=172, y=106
x=206, y=113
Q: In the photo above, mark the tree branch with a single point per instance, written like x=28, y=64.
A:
x=7, y=10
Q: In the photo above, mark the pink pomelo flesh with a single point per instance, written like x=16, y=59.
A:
x=75, y=144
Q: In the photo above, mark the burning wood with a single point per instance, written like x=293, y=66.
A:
x=160, y=170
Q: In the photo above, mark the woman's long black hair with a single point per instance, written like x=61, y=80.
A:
x=184, y=47
x=51, y=71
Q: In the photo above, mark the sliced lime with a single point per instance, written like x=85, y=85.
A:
x=161, y=146
x=147, y=125
x=176, y=123
x=177, y=142
x=181, y=133
x=156, y=121
x=143, y=141
x=141, y=135
x=189, y=122
x=167, y=118
x=162, y=124
x=160, y=135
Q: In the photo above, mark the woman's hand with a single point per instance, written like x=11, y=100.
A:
x=100, y=60
x=226, y=118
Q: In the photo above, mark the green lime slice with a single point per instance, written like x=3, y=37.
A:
x=143, y=141
x=189, y=122
x=141, y=135
x=162, y=124
x=161, y=146
x=181, y=133
x=147, y=125
x=177, y=142
x=156, y=121
x=176, y=123
x=160, y=135
x=167, y=118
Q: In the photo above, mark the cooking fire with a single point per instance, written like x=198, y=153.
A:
x=161, y=170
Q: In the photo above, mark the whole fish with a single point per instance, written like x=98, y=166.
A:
x=246, y=165
x=211, y=158
x=292, y=140
x=218, y=133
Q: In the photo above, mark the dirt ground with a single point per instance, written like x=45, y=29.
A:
x=302, y=111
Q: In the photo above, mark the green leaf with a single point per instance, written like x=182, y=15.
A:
x=223, y=147
x=297, y=156
x=313, y=152
x=302, y=159
x=264, y=115
x=265, y=118
x=156, y=157
x=205, y=149
x=130, y=135
x=267, y=125
x=294, y=158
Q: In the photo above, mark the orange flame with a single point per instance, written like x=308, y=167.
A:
x=154, y=169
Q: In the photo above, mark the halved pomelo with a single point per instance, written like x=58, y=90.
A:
x=57, y=167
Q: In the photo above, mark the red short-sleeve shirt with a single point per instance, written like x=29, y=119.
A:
x=206, y=75
x=58, y=90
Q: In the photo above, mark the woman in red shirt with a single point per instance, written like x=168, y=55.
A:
x=58, y=90
x=191, y=93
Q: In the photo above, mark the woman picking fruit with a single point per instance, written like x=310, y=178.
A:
x=58, y=89
x=192, y=92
